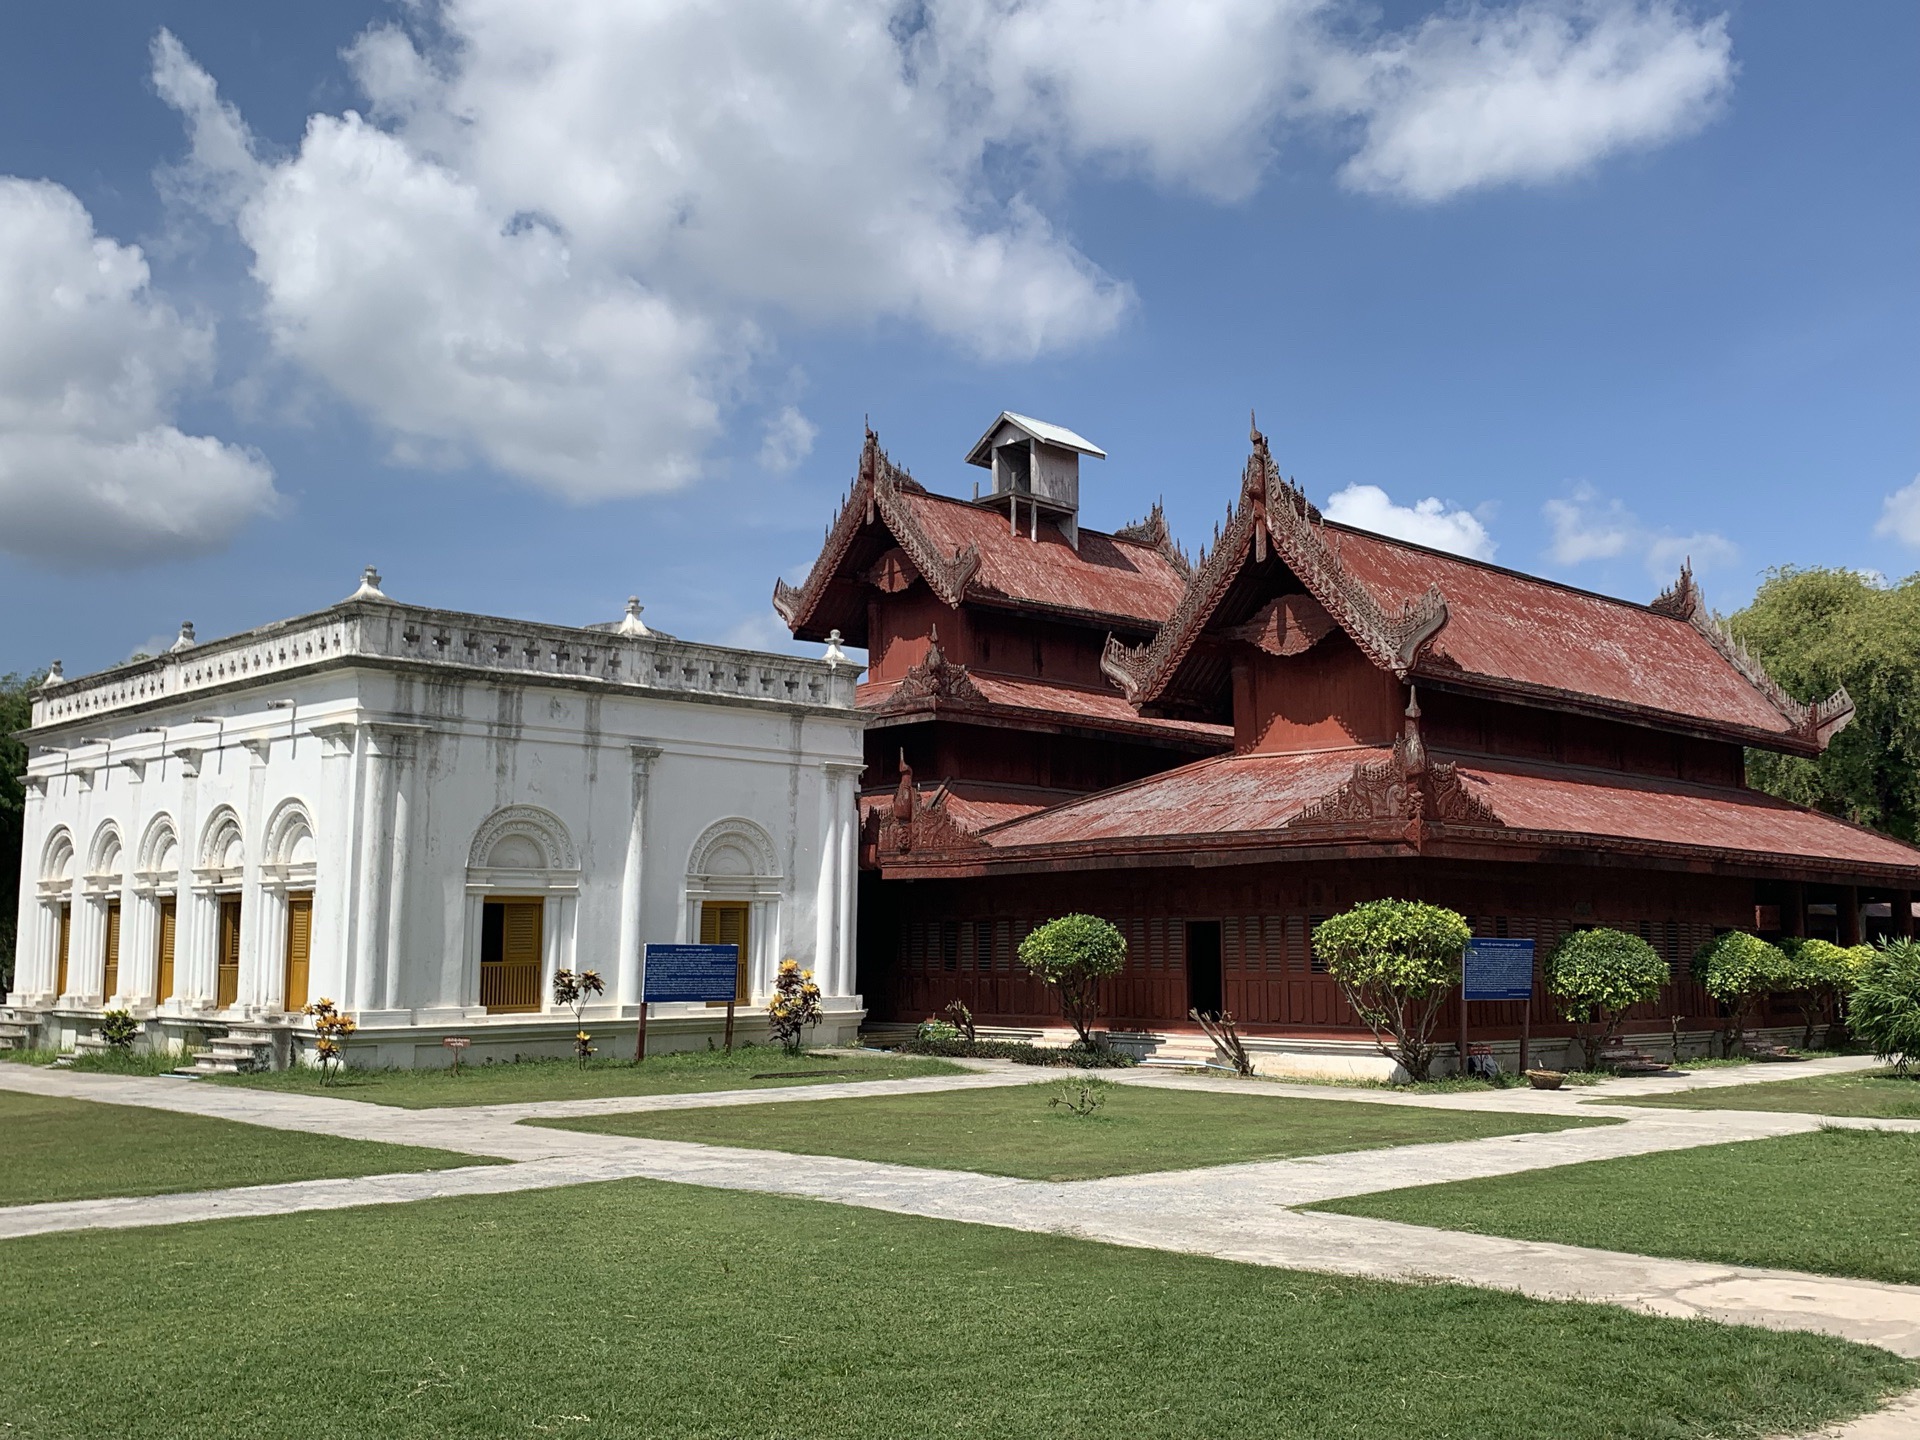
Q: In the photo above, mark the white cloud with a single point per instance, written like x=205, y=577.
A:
x=560, y=238
x=1587, y=526
x=787, y=441
x=1900, y=514
x=1483, y=97
x=1426, y=522
x=92, y=361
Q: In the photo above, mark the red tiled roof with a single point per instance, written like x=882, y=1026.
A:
x=1508, y=627
x=1106, y=576
x=1034, y=699
x=976, y=806
x=1258, y=796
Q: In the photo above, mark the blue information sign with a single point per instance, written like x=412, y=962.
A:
x=690, y=972
x=1499, y=969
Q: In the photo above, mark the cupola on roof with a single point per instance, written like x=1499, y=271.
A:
x=1038, y=463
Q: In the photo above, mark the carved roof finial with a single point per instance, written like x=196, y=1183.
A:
x=369, y=586
x=630, y=623
x=54, y=675
x=904, y=795
x=186, y=640
x=835, y=655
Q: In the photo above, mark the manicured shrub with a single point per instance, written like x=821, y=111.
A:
x=935, y=1029
x=1397, y=961
x=1595, y=977
x=1075, y=953
x=1739, y=970
x=1883, y=1008
x=794, y=1006
x=118, y=1028
x=1085, y=1057
x=1819, y=974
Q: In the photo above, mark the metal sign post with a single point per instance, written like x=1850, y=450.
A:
x=1497, y=969
x=688, y=974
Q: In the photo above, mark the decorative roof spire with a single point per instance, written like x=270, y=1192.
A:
x=835, y=655
x=186, y=640
x=54, y=676
x=369, y=586
x=630, y=623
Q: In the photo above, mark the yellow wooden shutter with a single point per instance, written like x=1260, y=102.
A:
x=110, y=971
x=66, y=936
x=724, y=922
x=299, y=949
x=163, y=970
x=228, y=989
x=513, y=982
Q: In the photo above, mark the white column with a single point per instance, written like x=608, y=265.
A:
x=255, y=956
x=336, y=842
x=632, y=878
x=369, y=931
x=403, y=741
x=136, y=966
x=849, y=872
x=833, y=945
x=33, y=974
x=188, y=904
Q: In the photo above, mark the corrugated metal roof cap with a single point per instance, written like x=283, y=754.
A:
x=1042, y=430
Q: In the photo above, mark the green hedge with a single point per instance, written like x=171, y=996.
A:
x=1020, y=1052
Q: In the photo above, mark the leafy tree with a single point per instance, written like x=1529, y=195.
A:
x=1075, y=953
x=1819, y=973
x=795, y=1005
x=574, y=990
x=1884, y=1006
x=1815, y=630
x=1597, y=976
x=1739, y=970
x=1397, y=961
x=16, y=713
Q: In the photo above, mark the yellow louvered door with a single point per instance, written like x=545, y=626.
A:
x=66, y=941
x=299, y=949
x=510, y=955
x=726, y=922
x=228, y=989
x=163, y=967
x=110, y=971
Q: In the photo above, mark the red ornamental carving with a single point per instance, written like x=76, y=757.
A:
x=934, y=678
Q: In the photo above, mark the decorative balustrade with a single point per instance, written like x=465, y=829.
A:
x=384, y=632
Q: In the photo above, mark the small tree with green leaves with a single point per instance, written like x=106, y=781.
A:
x=1074, y=954
x=795, y=1005
x=573, y=990
x=1819, y=973
x=1595, y=977
x=1883, y=1008
x=331, y=1028
x=1397, y=962
x=1739, y=970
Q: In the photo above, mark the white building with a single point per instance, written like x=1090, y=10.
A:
x=422, y=815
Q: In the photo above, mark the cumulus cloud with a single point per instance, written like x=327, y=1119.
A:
x=559, y=238
x=1480, y=97
x=1900, y=514
x=92, y=362
x=1587, y=526
x=787, y=441
x=1427, y=522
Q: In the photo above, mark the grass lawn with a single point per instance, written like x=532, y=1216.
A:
x=1836, y=1202
x=56, y=1149
x=564, y=1079
x=636, y=1308
x=1876, y=1094
x=1014, y=1131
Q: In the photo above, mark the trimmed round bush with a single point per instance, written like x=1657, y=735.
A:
x=1738, y=970
x=1396, y=961
x=1596, y=976
x=1075, y=953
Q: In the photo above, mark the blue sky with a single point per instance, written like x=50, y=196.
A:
x=1607, y=283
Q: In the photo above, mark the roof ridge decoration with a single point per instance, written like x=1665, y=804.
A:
x=1273, y=510
x=912, y=823
x=1406, y=785
x=876, y=491
x=934, y=678
x=1818, y=722
x=1152, y=531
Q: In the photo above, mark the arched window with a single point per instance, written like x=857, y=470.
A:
x=156, y=878
x=523, y=882
x=287, y=875
x=223, y=858
x=56, y=911
x=102, y=940
x=733, y=897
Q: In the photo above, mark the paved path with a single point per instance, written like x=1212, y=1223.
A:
x=1234, y=1212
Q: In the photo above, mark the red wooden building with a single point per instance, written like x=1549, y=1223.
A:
x=1217, y=758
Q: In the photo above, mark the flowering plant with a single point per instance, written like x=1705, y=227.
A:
x=794, y=1006
x=331, y=1027
x=574, y=990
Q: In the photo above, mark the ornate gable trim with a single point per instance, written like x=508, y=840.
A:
x=878, y=491
x=913, y=825
x=1153, y=532
x=1817, y=723
x=934, y=678
x=1272, y=511
x=1406, y=786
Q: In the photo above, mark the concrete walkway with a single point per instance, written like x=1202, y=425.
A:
x=1234, y=1212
